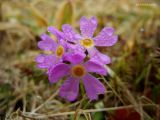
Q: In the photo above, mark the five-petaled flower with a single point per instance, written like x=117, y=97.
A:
x=74, y=57
x=76, y=71
x=86, y=41
x=56, y=48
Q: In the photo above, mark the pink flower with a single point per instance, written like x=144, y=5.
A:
x=74, y=57
x=57, y=51
x=75, y=71
x=86, y=41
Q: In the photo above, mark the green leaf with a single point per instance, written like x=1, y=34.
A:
x=98, y=116
x=65, y=14
x=5, y=90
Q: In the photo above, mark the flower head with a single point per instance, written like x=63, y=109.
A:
x=57, y=50
x=86, y=41
x=75, y=71
x=74, y=57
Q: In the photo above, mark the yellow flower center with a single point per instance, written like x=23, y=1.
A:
x=59, y=51
x=87, y=43
x=78, y=71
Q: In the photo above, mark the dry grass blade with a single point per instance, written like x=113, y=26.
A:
x=41, y=116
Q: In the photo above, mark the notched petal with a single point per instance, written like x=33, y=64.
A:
x=93, y=87
x=94, y=66
x=69, y=89
x=74, y=57
x=70, y=33
x=45, y=61
x=58, y=71
x=106, y=37
x=88, y=26
x=59, y=35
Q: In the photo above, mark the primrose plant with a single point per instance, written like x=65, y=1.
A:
x=74, y=57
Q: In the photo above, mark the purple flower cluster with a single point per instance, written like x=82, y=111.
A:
x=74, y=57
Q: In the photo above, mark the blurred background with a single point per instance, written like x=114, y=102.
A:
x=133, y=76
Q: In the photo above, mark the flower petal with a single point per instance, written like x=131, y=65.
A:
x=88, y=26
x=76, y=47
x=58, y=71
x=105, y=59
x=70, y=33
x=97, y=56
x=69, y=89
x=47, y=43
x=40, y=58
x=106, y=37
x=74, y=57
x=93, y=86
x=59, y=35
x=94, y=66
x=45, y=61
